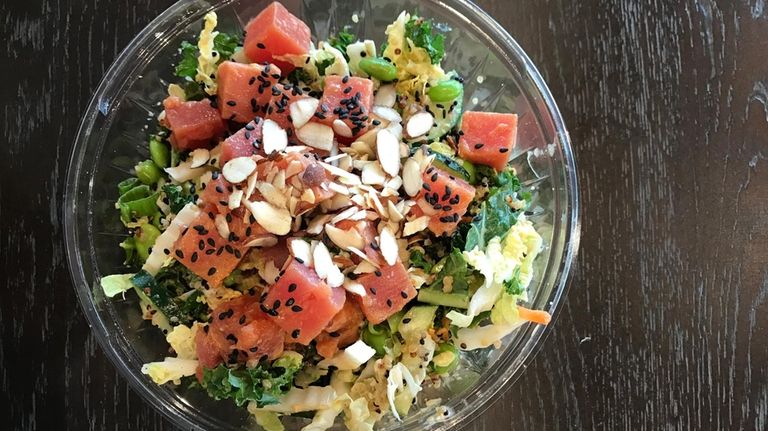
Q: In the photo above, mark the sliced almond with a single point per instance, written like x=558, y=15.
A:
x=416, y=225
x=234, y=199
x=363, y=256
x=302, y=111
x=293, y=202
x=332, y=159
x=316, y=135
x=412, y=180
x=296, y=149
x=275, y=220
x=279, y=180
x=385, y=96
x=238, y=169
x=388, y=245
x=296, y=223
x=275, y=138
x=372, y=173
x=388, y=152
x=199, y=157
x=272, y=195
x=315, y=225
x=345, y=162
x=338, y=188
x=300, y=249
x=395, y=183
x=252, y=181
x=293, y=168
x=264, y=241
x=270, y=272
x=419, y=124
x=341, y=128
x=344, y=176
x=347, y=213
x=308, y=196
x=394, y=214
x=358, y=199
x=365, y=267
x=221, y=226
x=354, y=287
x=387, y=113
x=336, y=202
x=324, y=266
x=396, y=129
x=344, y=238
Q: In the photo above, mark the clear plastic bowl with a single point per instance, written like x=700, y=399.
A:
x=112, y=139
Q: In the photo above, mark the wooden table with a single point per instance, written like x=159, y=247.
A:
x=665, y=323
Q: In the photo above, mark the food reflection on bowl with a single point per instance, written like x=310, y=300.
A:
x=383, y=270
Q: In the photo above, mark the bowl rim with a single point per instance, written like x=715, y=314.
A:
x=464, y=9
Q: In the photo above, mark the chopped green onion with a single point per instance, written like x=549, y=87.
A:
x=133, y=194
x=376, y=336
x=140, y=207
x=127, y=184
x=160, y=152
x=379, y=68
x=148, y=172
x=145, y=236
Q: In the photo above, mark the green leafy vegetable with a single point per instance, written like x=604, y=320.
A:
x=419, y=260
x=419, y=31
x=324, y=64
x=514, y=286
x=116, y=283
x=178, y=197
x=455, y=266
x=169, y=291
x=187, y=65
x=225, y=44
x=342, y=39
x=495, y=216
x=261, y=384
x=299, y=75
x=193, y=90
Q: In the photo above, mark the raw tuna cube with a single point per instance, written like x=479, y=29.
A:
x=487, y=138
x=275, y=32
x=243, y=88
x=194, y=124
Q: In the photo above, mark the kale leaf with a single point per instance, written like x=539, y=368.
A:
x=419, y=31
x=178, y=197
x=342, y=39
x=224, y=44
x=495, y=216
x=455, y=266
x=261, y=384
x=324, y=64
x=513, y=286
x=419, y=260
x=168, y=292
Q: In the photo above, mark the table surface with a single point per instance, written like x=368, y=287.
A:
x=665, y=321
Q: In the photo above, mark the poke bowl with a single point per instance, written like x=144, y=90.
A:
x=295, y=216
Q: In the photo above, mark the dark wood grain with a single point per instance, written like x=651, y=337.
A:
x=666, y=322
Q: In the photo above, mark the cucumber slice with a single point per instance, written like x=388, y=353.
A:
x=438, y=297
x=417, y=321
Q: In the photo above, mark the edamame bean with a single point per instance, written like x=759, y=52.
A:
x=445, y=91
x=379, y=68
x=160, y=152
x=446, y=358
x=148, y=172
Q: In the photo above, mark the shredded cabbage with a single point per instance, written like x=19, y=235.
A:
x=182, y=340
x=116, y=283
x=170, y=370
x=206, y=62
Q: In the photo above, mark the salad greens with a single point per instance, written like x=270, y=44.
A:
x=419, y=30
x=342, y=40
x=496, y=216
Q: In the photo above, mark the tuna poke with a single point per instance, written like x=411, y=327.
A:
x=321, y=229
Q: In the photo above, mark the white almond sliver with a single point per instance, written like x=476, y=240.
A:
x=338, y=188
x=347, y=213
x=416, y=225
x=419, y=124
x=274, y=137
x=252, y=181
x=372, y=174
x=302, y=111
x=324, y=266
x=184, y=172
x=279, y=180
x=394, y=214
x=385, y=96
x=344, y=238
x=199, y=157
x=264, y=241
x=293, y=168
x=300, y=249
x=365, y=267
x=308, y=196
x=238, y=169
x=221, y=226
x=234, y=199
x=387, y=113
x=275, y=220
x=271, y=194
x=341, y=128
x=388, y=152
x=351, y=179
x=316, y=135
x=315, y=225
x=388, y=244
x=412, y=180
x=354, y=287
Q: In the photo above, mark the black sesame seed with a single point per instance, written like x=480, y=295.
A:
x=334, y=334
x=295, y=333
x=211, y=271
x=166, y=251
x=434, y=177
x=261, y=46
x=426, y=187
x=232, y=338
x=503, y=150
x=406, y=321
x=289, y=302
x=194, y=257
x=180, y=254
x=231, y=103
x=389, y=303
x=478, y=146
x=210, y=251
x=403, y=294
x=463, y=345
x=296, y=309
x=254, y=349
x=292, y=287
x=373, y=291
x=211, y=242
x=377, y=272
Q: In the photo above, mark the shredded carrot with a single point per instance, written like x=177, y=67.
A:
x=535, y=316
